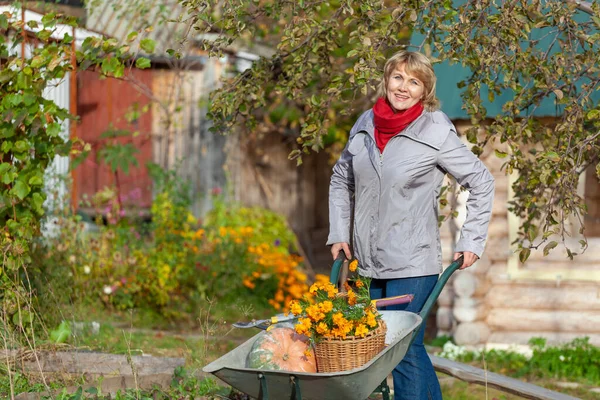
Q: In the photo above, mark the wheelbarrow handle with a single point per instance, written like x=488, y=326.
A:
x=437, y=289
x=334, y=277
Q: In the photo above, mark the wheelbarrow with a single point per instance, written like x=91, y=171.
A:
x=355, y=384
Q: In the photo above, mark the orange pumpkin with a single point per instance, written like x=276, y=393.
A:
x=281, y=348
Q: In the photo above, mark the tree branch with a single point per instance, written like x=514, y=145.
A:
x=584, y=6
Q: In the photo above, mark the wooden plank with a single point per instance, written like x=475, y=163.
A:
x=545, y=296
x=527, y=320
x=479, y=376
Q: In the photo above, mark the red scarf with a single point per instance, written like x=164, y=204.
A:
x=389, y=123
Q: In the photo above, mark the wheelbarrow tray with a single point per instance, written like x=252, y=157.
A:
x=355, y=384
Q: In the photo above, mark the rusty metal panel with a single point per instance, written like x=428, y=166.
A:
x=100, y=102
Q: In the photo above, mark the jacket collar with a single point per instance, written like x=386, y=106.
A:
x=416, y=130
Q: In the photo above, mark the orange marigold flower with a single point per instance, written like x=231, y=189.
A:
x=249, y=284
x=326, y=306
x=314, y=313
x=353, y=265
x=339, y=320
x=308, y=353
x=223, y=231
x=359, y=283
x=301, y=329
x=295, y=308
x=352, y=298
x=371, y=321
x=322, y=328
x=361, y=330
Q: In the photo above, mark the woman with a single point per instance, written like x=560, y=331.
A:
x=387, y=182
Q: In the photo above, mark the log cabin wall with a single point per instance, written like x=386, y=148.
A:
x=500, y=301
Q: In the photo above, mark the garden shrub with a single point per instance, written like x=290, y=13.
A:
x=174, y=263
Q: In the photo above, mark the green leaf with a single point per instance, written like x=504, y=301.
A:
x=92, y=390
x=549, y=247
x=132, y=36
x=61, y=333
x=524, y=254
x=3, y=21
x=21, y=146
x=44, y=35
x=552, y=156
x=37, y=201
x=4, y=168
x=148, y=45
x=53, y=129
x=21, y=190
x=49, y=19
x=593, y=114
x=36, y=180
x=500, y=154
x=142, y=63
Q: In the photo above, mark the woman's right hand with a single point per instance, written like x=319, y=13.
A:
x=337, y=247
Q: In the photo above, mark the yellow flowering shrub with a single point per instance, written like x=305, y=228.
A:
x=323, y=312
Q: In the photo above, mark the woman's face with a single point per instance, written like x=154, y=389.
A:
x=403, y=90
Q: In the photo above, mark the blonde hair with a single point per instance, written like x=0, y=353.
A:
x=415, y=64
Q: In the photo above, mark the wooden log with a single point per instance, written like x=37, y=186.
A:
x=545, y=296
x=552, y=338
x=470, y=313
x=500, y=203
x=498, y=226
x=444, y=319
x=528, y=320
x=481, y=266
x=446, y=297
x=467, y=284
x=498, y=248
x=471, y=333
x=479, y=376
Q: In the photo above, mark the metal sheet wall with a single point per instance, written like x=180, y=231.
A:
x=57, y=173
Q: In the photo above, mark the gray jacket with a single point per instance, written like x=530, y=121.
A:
x=394, y=196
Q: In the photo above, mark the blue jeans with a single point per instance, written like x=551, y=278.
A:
x=414, y=377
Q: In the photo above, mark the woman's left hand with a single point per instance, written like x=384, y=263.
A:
x=469, y=260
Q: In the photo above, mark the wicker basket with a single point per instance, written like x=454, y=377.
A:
x=334, y=355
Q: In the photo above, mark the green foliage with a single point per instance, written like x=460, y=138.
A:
x=173, y=264
x=577, y=360
x=325, y=60
x=62, y=333
x=30, y=134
